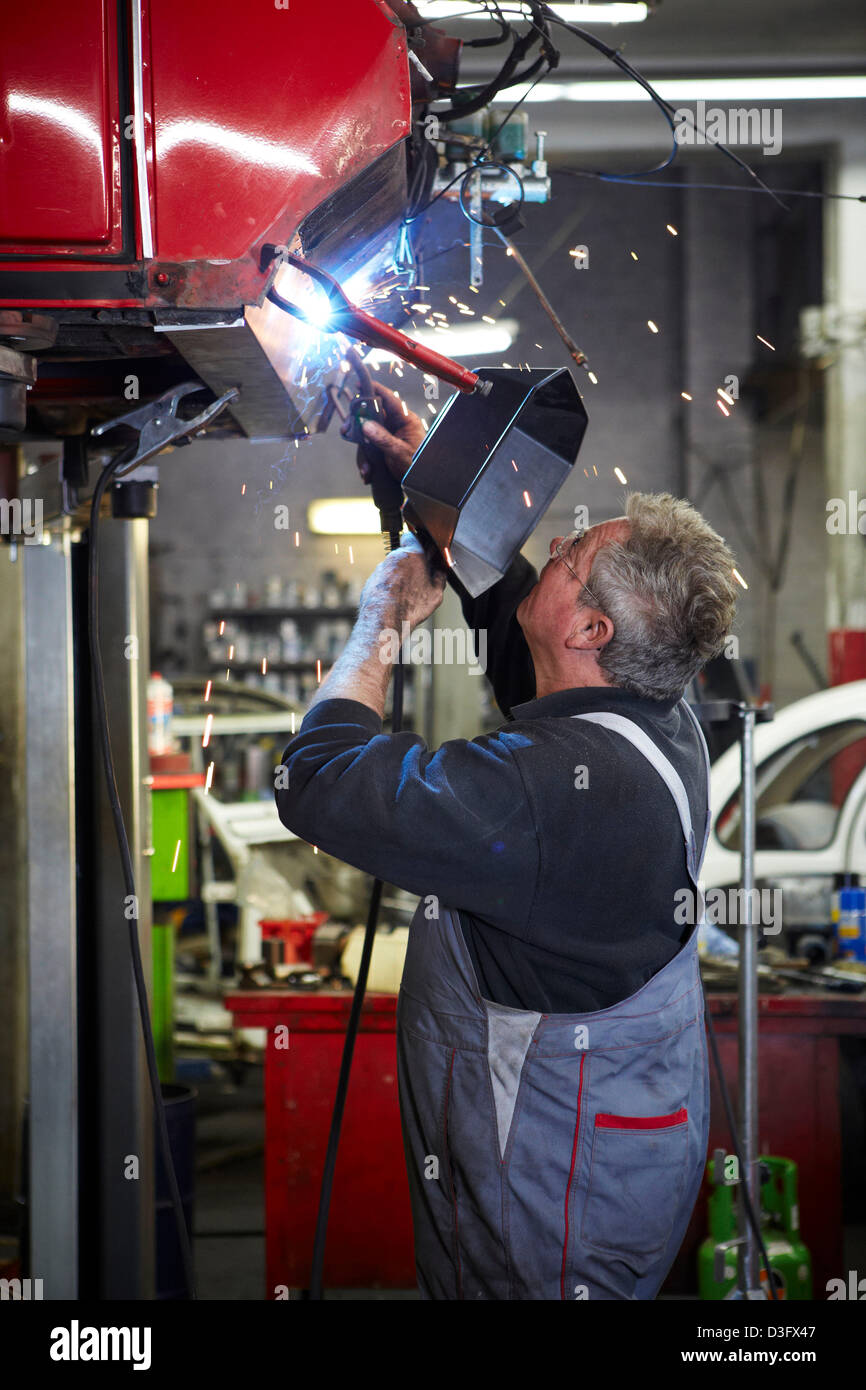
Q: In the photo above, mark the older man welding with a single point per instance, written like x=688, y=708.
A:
x=552, y=1056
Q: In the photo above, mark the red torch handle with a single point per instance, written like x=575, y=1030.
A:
x=355, y=323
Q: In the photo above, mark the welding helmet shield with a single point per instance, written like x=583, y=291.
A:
x=490, y=467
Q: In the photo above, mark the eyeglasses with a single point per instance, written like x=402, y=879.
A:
x=569, y=542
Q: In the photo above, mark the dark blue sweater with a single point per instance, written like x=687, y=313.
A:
x=566, y=892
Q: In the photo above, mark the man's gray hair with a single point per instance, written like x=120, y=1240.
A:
x=670, y=591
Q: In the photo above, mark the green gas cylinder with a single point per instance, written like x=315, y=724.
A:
x=789, y=1258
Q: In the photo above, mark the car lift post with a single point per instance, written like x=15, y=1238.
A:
x=748, y=1264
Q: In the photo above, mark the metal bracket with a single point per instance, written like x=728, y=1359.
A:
x=720, y=711
x=720, y=1264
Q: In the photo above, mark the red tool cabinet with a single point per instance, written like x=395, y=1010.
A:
x=370, y=1227
x=370, y=1232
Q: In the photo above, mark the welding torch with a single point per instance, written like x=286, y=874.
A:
x=386, y=489
x=345, y=317
x=377, y=403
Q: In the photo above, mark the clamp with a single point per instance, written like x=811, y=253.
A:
x=159, y=424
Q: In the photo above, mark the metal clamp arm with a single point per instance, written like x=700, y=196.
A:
x=158, y=422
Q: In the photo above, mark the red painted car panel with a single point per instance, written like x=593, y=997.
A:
x=59, y=129
x=253, y=116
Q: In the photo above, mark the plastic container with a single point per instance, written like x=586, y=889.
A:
x=712, y=941
x=386, y=962
x=160, y=707
x=849, y=917
x=294, y=935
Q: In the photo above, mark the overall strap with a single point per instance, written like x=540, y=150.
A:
x=668, y=773
x=703, y=742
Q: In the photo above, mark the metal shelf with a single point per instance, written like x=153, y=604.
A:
x=225, y=614
x=277, y=667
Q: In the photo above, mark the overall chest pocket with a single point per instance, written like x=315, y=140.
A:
x=636, y=1177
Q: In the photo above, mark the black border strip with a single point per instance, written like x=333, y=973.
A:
x=55, y=285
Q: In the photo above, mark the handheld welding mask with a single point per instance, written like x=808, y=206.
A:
x=489, y=468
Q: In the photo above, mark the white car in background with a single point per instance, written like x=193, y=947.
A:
x=811, y=812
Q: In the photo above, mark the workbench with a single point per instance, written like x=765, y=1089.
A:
x=370, y=1232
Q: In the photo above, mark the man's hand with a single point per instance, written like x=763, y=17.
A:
x=407, y=586
x=398, y=437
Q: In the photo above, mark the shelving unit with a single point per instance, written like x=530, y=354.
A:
x=260, y=630
x=224, y=614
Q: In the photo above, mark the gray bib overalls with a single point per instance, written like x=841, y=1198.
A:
x=552, y=1156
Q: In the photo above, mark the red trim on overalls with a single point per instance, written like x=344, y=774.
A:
x=451, y=1179
x=641, y=1122
x=571, y=1175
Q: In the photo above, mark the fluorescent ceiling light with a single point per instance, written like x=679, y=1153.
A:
x=691, y=89
x=461, y=340
x=469, y=340
x=344, y=516
x=614, y=13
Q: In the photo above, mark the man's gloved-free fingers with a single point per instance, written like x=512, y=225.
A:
x=398, y=418
x=395, y=416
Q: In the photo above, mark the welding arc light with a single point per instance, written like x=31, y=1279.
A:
x=318, y=312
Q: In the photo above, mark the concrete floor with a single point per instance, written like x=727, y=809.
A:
x=229, y=1243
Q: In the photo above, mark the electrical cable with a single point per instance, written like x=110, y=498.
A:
x=423, y=160
x=505, y=30
x=407, y=221
x=615, y=57
x=477, y=168
x=718, y=187
x=547, y=16
x=519, y=102
x=104, y=738
x=636, y=76
x=539, y=32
